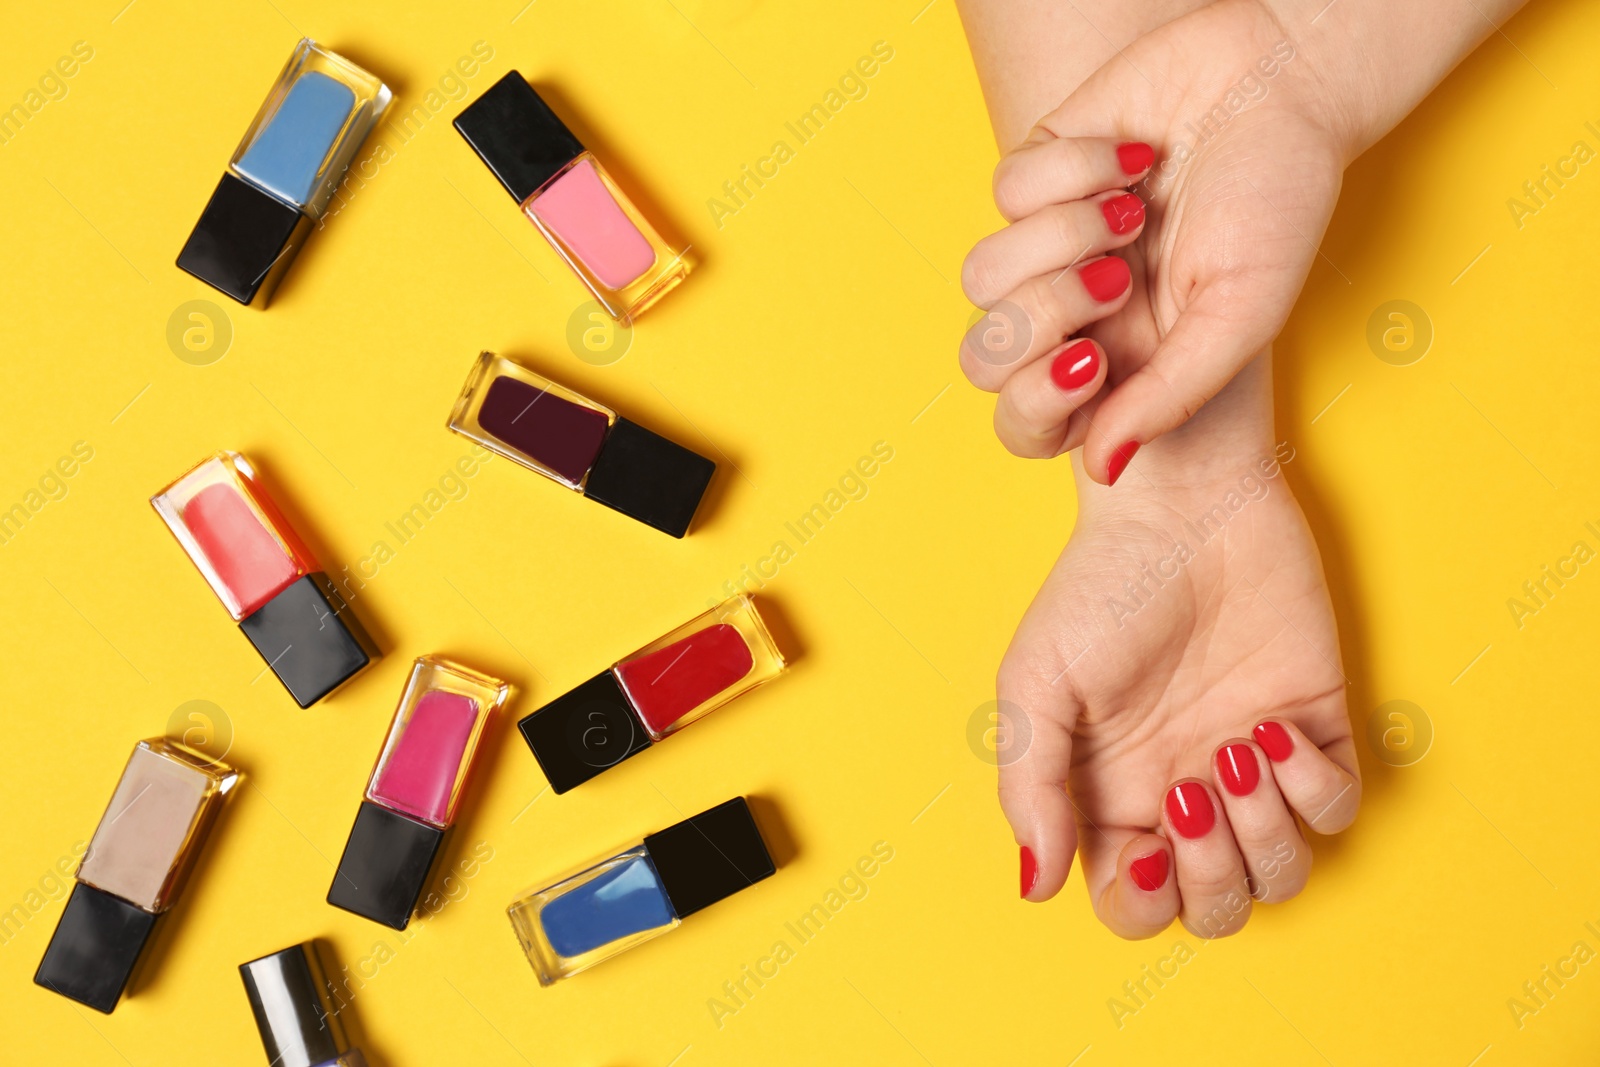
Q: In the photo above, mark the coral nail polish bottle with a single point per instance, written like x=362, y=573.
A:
x=266, y=577
x=565, y=191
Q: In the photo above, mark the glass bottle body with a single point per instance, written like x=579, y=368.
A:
x=605, y=239
x=587, y=917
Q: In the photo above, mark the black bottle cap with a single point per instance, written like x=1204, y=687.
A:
x=385, y=865
x=583, y=732
x=244, y=241
x=518, y=136
x=709, y=857
x=294, y=1008
x=310, y=638
x=94, y=948
x=649, y=478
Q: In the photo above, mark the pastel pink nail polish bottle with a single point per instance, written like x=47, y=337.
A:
x=565, y=191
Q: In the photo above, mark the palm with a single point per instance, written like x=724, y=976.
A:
x=1243, y=631
x=1233, y=226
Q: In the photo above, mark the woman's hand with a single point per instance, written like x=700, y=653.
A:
x=1174, y=692
x=1216, y=236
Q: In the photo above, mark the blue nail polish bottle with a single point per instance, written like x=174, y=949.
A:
x=284, y=173
x=638, y=894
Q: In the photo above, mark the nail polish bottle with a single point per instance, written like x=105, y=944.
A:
x=297, y=1010
x=652, y=694
x=136, y=866
x=266, y=577
x=530, y=420
x=283, y=173
x=638, y=893
x=565, y=191
x=414, y=790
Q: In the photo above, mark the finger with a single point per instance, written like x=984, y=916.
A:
x=1052, y=238
x=1033, y=784
x=1212, y=339
x=1323, y=786
x=1038, y=315
x=1129, y=874
x=1054, y=170
x=1211, y=881
x=1276, y=857
x=1035, y=405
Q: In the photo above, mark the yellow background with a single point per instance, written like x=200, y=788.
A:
x=823, y=318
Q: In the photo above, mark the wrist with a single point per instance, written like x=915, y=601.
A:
x=1228, y=438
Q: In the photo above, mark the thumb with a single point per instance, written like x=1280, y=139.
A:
x=1093, y=109
x=1035, y=758
x=1209, y=344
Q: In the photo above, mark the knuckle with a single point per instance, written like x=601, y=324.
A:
x=979, y=276
x=1280, y=872
x=1334, y=807
x=1016, y=678
x=1018, y=444
x=1065, y=230
x=1221, y=916
x=1215, y=884
x=1026, y=407
x=1010, y=188
x=1076, y=156
x=1278, y=890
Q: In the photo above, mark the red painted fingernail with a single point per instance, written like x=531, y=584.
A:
x=1124, y=213
x=1106, y=279
x=1189, y=810
x=1076, y=366
x=1030, y=871
x=1238, y=769
x=1150, y=872
x=1119, y=461
x=1135, y=157
x=1274, y=741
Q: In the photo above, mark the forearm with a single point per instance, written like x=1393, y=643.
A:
x=1031, y=54
x=1377, y=59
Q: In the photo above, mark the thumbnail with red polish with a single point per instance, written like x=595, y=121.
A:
x=1119, y=461
x=1150, y=872
x=1124, y=213
x=1190, y=810
x=1105, y=279
x=415, y=789
x=1076, y=366
x=1274, y=740
x=1136, y=157
x=292, y=612
x=1238, y=770
x=653, y=693
x=1030, y=871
